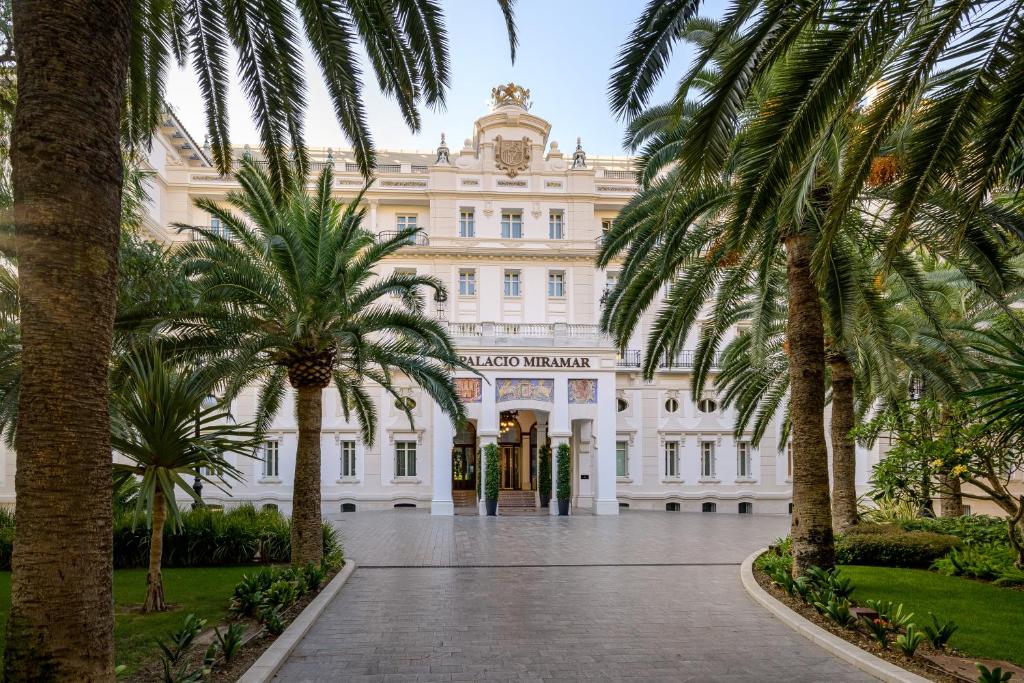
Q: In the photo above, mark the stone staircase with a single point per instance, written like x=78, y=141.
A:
x=516, y=500
x=464, y=499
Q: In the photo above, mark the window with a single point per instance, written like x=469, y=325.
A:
x=743, y=460
x=671, y=405
x=708, y=507
x=621, y=404
x=707, y=459
x=606, y=225
x=405, y=403
x=218, y=228
x=556, y=284
x=348, y=458
x=511, y=283
x=967, y=509
x=671, y=458
x=621, y=458
x=707, y=405
x=271, y=459
x=610, y=280
x=467, y=283
x=405, y=458
x=511, y=225
x=404, y=222
x=467, y=223
x=746, y=508
x=556, y=228
x=672, y=507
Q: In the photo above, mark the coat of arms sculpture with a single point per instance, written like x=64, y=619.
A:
x=512, y=156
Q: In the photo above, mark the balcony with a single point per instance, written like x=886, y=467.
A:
x=633, y=358
x=420, y=239
x=526, y=334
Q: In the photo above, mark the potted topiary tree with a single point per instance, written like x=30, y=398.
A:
x=492, y=478
x=564, y=485
x=544, y=483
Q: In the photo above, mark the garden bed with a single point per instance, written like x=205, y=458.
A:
x=934, y=664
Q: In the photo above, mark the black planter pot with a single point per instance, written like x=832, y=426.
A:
x=492, y=508
x=563, y=507
x=545, y=500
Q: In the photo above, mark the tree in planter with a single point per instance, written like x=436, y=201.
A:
x=563, y=487
x=492, y=475
x=293, y=297
x=160, y=424
x=544, y=476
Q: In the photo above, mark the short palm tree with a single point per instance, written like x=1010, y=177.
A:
x=295, y=297
x=163, y=427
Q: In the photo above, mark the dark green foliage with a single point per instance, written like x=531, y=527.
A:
x=890, y=546
x=265, y=593
x=989, y=562
x=6, y=537
x=544, y=475
x=878, y=629
x=838, y=611
x=272, y=619
x=231, y=640
x=909, y=641
x=181, y=675
x=564, y=483
x=971, y=529
x=492, y=477
x=891, y=613
x=314, y=576
x=939, y=632
x=996, y=675
x=209, y=538
x=181, y=640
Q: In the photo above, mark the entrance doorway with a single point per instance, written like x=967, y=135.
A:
x=509, y=466
x=464, y=458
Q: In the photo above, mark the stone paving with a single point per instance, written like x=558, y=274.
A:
x=644, y=596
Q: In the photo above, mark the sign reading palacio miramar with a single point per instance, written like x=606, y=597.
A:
x=526, y=361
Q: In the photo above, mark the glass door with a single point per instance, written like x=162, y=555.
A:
x=463, y=468
x=509, y=467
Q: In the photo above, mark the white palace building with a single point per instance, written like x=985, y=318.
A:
x=511, y=223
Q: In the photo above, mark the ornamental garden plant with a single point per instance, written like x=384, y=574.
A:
x=492, y=478
x=564, y=483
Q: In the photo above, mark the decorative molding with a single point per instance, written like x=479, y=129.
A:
x=512, y=156
x=402, y=434
x=553, y=184
x=501, y=182
x=618, y=188
x=404, y=183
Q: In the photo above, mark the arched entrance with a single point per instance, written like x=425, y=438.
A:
x=510, y=444
x=464, y=458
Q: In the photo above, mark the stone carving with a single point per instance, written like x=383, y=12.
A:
x=579, y=157
x=582, y=391
x=468, y=389
x=442, y=153
x=510, y=93
x=512, y=156
x=524, y=390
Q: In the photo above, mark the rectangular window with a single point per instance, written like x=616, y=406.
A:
x=271, y=459
x=606, y=225
x=743, y=460
x=218, y=228
x=348, y=458
x=511, y=283
x=707, y=459
x=511, y=225
x=555, y=226
x=621, y=458
x=467, y=223
x=671, y=458
x=405, y=458
x=405, y=221
x=556, y=283
x=467, y=283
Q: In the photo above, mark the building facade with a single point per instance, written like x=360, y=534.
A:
x=511, y=224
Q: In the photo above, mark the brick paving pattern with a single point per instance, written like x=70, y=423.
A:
x=645, y=596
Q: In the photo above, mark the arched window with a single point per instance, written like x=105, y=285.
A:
x=671, y=405
x=708, y=507
x=746, y=508
x=707, y=405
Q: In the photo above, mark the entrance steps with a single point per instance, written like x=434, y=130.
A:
x=464, y=499
x=516, y=500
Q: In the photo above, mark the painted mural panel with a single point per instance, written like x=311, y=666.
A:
x=525, y=390
x=582, y=391
x=468, y=389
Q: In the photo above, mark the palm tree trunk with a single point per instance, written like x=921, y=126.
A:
x=805, y=337
x=154, y=580
x=72, y=59
x=307, y=539
x=844, y=451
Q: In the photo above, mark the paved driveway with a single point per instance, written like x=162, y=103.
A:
x=643, y=596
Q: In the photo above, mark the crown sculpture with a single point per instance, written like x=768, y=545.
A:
x=510, y=94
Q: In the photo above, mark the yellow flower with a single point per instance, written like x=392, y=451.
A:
x=937, y=462
x=958, y=470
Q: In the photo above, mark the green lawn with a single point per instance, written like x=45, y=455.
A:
x=991, y=619
x=205, y=592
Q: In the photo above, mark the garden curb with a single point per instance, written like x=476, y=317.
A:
x=268, y=664
x=865, y=661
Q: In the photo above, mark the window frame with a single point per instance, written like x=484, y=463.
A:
x=467, y=223
x=402, y=221
x=265, y=473
x=556, y=224
x=514, y=224
x=621, y=458
x=744, y=461
x=510, y=277
x=405, y=454
x=347, y=452
x=467, y=282
x=671, y=459
x=707, y=459
x=556, y=281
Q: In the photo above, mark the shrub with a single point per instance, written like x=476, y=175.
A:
x=230, y=641
x=492, y=481
x=971, y=529
x=890, y=546
x=996, y=675
x=564, y=483
x=909, y=641
x=879, y=630
x=988, y=561
x=778, y=558
x=544, y=475
x=181, y=640
x=939, y=632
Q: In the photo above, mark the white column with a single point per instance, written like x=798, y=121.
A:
x=487, y=432
x=559, y=431
x=443, y=437
x=373, y=216
x=606, y=502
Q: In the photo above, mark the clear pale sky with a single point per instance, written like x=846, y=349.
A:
x=566, y=51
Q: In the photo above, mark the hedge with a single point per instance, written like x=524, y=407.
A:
x=564, y=483
x=971, y=529
x=890, y=546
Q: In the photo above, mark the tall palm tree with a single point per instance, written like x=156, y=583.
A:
x=90, y=80
x=163, y=426
x=294, y=297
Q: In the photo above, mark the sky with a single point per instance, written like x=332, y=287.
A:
x=566, y=52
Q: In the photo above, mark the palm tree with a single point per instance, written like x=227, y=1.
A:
x=163, y=425
x=90, y=80
x=294, y=298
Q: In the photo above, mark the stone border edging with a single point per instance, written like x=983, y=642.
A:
x=865, y=661
x=268, y=664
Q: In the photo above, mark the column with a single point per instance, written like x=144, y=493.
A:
x=443, y=436
x=487, y=432
x=560, y=432
x=606, y=502
x=373, y=216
